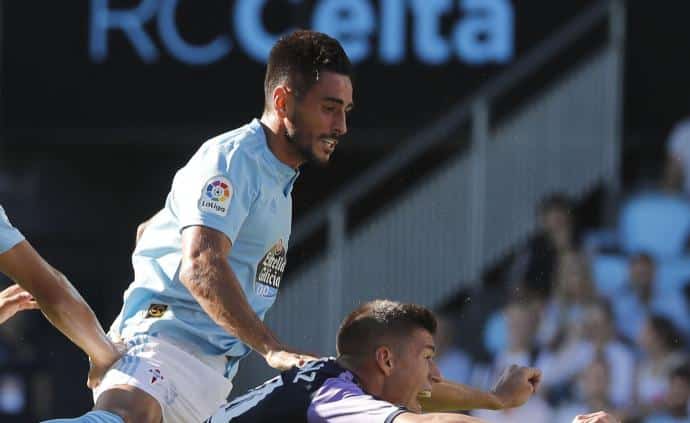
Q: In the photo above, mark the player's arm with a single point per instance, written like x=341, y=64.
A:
x=61, y=304
x=435, y=418
x=515, y=386
x=208, y=276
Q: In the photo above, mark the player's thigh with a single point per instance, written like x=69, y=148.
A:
x=131, y=403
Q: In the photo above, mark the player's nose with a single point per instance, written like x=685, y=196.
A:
x=434, y=373
x=340, y=124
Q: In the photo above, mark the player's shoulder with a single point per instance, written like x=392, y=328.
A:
x=244, y=141
x=241, y=147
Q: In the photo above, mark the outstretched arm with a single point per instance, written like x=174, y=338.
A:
x=515, y=386
x=435, y=418
x=61, y=304
x=208, y=276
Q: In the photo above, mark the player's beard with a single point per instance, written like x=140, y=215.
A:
x=303, y=143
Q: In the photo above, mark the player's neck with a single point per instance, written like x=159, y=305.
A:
x=278, y=142
x=368, y=382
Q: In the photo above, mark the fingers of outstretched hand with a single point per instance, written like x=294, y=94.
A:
x=598, y=417
x=533, y=376
x=11, y=290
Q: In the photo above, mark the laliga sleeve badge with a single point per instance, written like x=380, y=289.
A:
x=215, y=196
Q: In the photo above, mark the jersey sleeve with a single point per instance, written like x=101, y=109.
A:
x=9, y=235
x=216, y=189
x=342, y=402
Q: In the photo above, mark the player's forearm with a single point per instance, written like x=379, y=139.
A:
x=212, y=282
x=58, y=299
x=436, y=418
x=72, y=316
x=449, y=396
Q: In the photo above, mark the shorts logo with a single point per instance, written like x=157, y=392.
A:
x=216, y=195
x=269, y=272
x=156, y=310
x=156, y=376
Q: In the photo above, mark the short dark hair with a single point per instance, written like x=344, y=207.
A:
x=682, y=372
x=300, y=57
x=381, y=321
x=666, y=331
x=555, y=201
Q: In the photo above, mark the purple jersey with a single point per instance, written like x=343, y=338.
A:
x=320, y=392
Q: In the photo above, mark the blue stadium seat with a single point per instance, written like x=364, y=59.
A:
x=672, y=275
x=610, y=273
x=656, y=223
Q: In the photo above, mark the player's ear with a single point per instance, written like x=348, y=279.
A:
x=281, y=100
x=385, y=360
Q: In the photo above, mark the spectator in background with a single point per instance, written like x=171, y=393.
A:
x=573, y=289
x=556, y=236
x=677, y=170
x=594, y=338
x=661, y=345
x=593, y=388
x=522, y=319
x=521, y=322
x=600, y=340
x=452, y=361
x=677, y=399
x=638, y=298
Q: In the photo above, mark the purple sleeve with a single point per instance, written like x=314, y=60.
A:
x=341, y=401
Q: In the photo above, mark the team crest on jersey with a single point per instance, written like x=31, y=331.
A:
x=156, y=376
x=216, y=195
x=270, y=270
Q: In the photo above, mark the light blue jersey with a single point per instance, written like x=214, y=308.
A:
x=233, y=184
x=9, y=235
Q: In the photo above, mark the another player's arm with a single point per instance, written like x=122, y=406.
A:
x=207, y=274
x=449, y=396
x=435, y=418
x=515, y=386
x=61, y=304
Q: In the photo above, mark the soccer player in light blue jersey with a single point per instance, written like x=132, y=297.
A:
x=39, y=284
x=209, y=265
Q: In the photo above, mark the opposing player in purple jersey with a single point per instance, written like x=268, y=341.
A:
x=384, y=372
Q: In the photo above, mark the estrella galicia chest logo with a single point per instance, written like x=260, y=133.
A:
x=269, y=272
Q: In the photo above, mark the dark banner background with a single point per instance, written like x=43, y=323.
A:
x=50, y=80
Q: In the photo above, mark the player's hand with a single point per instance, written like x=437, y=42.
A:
x=14, y=299
x=516, y=385
x=598, y=417
x=98, y=367
x=284, y=359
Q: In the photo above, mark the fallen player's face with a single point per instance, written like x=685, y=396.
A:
x=319, y=119
x=416, y=370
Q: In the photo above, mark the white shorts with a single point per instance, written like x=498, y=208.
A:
x=187, y=389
